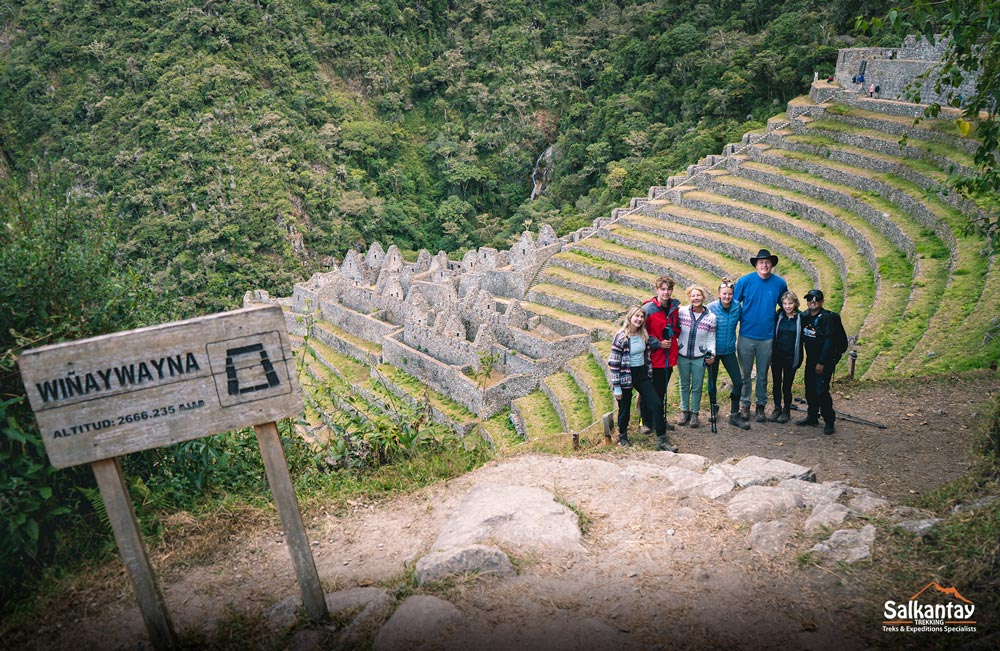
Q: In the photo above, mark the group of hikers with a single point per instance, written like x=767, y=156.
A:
x=754, y=321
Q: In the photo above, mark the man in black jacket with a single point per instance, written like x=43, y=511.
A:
x=822, y=334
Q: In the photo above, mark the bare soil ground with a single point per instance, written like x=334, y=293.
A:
x=657, y=570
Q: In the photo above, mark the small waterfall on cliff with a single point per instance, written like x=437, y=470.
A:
x=542, y=172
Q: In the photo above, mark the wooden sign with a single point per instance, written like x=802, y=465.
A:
x=97, y=399
x=108, y=396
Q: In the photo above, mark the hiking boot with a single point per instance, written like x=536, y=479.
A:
x=664, y=444
x=761, y=418
x=645, y=431
x=784, y=416
x=808, y=420
x=736, y=421
x=694, y=420
x=775, y=414
x=745, y=412
x=685, y=417
x=623, y=441
x=828, y=428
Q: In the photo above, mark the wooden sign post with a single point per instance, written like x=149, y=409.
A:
x=100, y=398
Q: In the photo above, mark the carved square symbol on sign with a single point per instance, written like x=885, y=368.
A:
x=246, y=369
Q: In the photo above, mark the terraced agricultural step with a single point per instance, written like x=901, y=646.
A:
x=443, y=410
x=569, y=401
x=942, y=131
x=720, y=241
x=584, y=285
x=553, y=315
x=346, y=343
x=590, y=376
x=801, y=263
x=938, y=153
x=535, y=417
x=584, y=263
x=575, y=302
x=627, y=260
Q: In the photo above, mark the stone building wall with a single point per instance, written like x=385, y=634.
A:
x=892, y=69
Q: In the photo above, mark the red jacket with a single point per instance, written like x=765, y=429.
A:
x=656, y=320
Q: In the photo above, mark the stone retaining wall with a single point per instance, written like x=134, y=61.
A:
x=769, y=243
x=869, y=214
x=812, y=213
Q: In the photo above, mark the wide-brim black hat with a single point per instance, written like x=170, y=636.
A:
x=764, y=254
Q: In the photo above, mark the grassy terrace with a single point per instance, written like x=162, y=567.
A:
x=709, y=278
x=796, y=277
x=587, y=369
x=792, y=272
x=877, y=311
x=365, y=345
x=955, y=303
x=914, y=146
x=607, y=327
x=573, y=401
x=627, y=276
x=420, y=392
x=575, y=296
x=573, y=280
x=540, y=417
x=607, y=250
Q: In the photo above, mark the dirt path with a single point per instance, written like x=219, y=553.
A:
x=657, y=571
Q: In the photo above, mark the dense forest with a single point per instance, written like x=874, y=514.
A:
x=234, y=145
x=159, y=158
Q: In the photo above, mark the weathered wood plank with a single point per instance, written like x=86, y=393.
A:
x=108, y=396
x=121, y=513
x=276, y=468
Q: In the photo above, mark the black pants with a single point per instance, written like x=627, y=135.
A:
x=782, y=376
x=732, y=365
x=643, y=386
x=661, y=376
x=818, y=391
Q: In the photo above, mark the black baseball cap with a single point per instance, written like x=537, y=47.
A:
x=814, y=293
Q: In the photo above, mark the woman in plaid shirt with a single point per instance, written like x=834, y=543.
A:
x=631, y=371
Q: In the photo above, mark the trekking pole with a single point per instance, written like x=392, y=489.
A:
x=847, y=417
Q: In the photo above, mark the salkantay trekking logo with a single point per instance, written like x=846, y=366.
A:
x=951, y=613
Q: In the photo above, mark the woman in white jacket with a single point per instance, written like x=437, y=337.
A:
x=695, y=349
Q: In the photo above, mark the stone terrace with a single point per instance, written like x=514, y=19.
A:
x=523, y=333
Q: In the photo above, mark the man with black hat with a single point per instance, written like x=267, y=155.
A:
x=759, y=295
x=825, y=340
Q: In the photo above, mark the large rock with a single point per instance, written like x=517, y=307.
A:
x=519, y=516
x=755, y=471
x=419, y=623
x=867, y=503
x=811, y=492
x=827, y=514
x=481, y=559
x=759, y=503
x=847, y=545
x=769, y=538
x=711, y=484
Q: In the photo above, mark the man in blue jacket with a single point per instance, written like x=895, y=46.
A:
x=759, y=295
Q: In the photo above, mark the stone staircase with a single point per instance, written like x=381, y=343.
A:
x=827, y=187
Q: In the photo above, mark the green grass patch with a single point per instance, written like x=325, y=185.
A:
x=573, y=401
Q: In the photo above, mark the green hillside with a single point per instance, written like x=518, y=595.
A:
x=239, y=145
